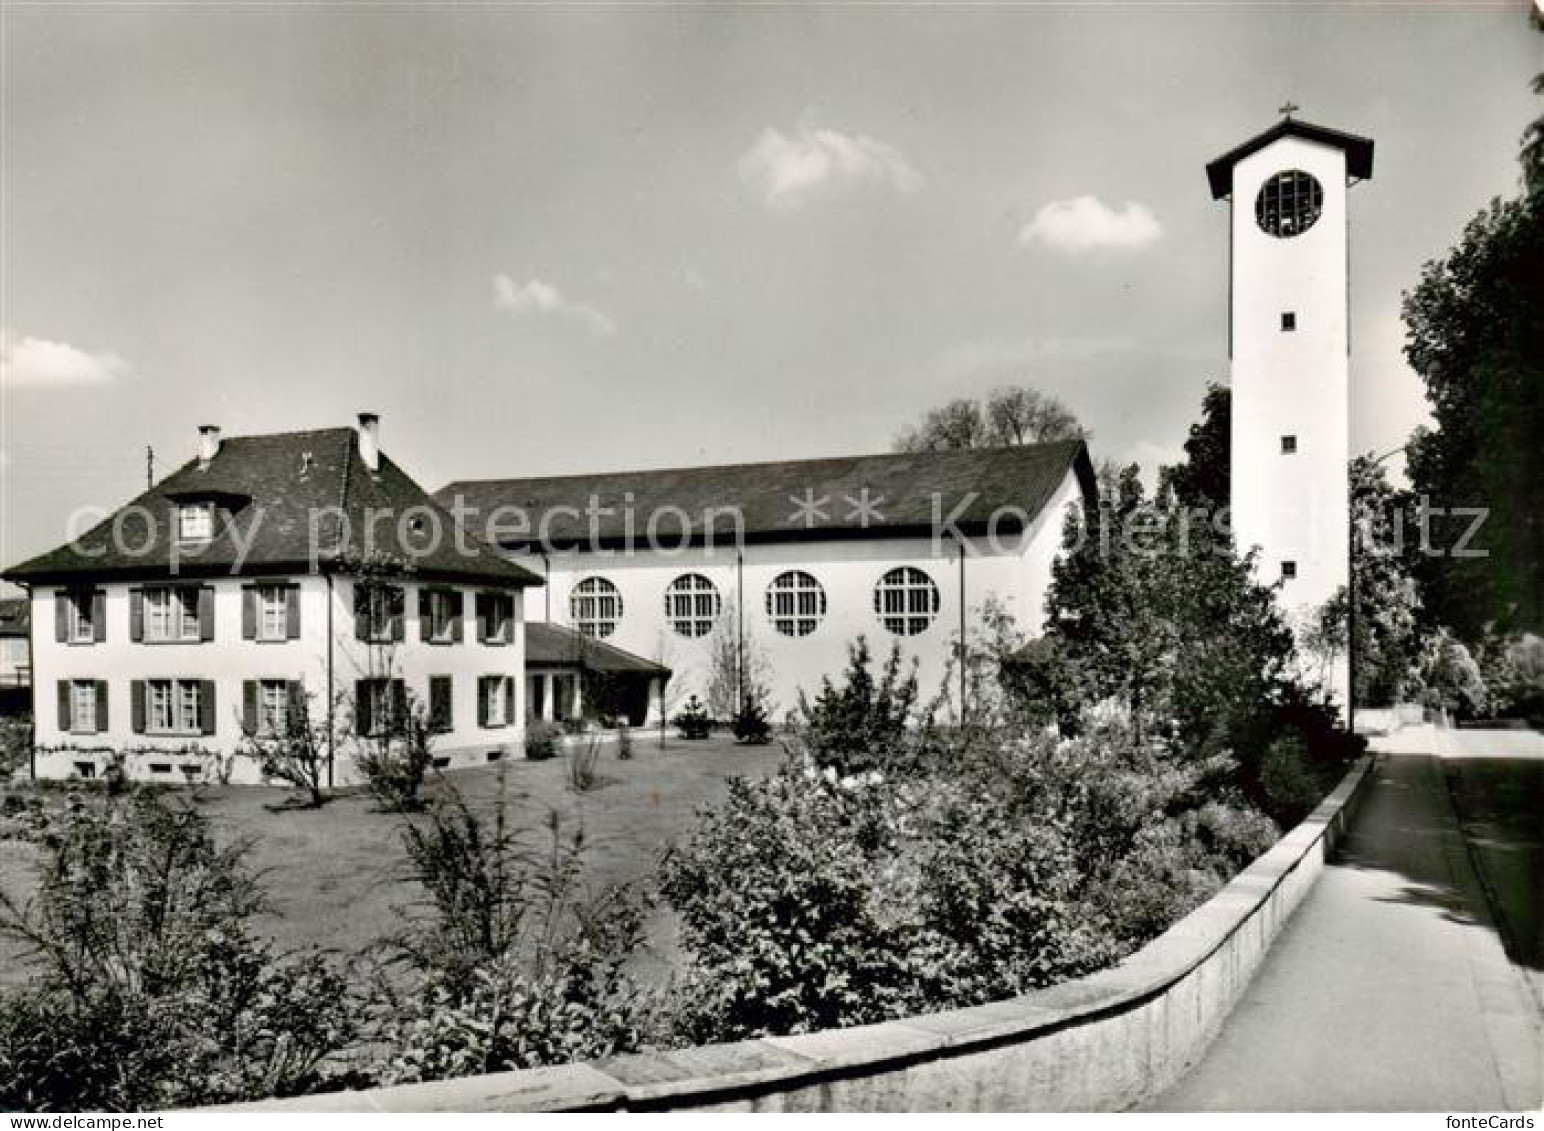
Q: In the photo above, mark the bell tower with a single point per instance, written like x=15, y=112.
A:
x=1289, y=342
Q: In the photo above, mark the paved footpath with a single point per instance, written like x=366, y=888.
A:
x=1389, y=989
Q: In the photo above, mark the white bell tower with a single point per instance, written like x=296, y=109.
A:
x=1289, y=340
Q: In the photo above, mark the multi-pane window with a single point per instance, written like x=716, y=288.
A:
x=272, y=706
x=80, y=617
x=906, y=600
x=195, y=522
x=171, y=706
x=692, y=605
x=378, y=612
x=498, y=707
x=1289, y=204
x=596, y=607
x=796, y=603
x=439, y=610
x=83, y=706
x=272, y=612
x=1288, y=445
x=1288, y=570
x=379, y=705
x=171, y=614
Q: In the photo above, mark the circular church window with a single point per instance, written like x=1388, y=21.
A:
x=1289, y=204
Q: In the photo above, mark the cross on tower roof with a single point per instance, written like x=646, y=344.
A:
x=1289, y=109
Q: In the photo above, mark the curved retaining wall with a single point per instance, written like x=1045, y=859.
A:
x=1100, y=1043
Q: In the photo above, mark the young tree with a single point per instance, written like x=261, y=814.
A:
x=299, y=750
x=738, y=668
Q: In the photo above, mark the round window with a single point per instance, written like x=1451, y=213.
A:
x=1289, y=204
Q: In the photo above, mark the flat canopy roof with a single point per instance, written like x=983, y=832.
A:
x=1219, y=173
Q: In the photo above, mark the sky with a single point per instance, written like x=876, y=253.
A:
x=544, y=240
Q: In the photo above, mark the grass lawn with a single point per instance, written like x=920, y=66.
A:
x=333, y=873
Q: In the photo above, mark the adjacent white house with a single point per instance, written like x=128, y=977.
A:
x=272, y=574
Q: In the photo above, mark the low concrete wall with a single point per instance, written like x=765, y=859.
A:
x=1100, y=1043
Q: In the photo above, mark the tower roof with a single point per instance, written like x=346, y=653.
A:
x=1358, y=150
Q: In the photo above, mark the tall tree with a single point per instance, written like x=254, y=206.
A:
x=1475, y=326
x=1009, y=416
x=1203, y=480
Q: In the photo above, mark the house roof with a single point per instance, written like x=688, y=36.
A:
x=15, y=616
x=907, y=493
x=554, y=645
x=1219, y=173
x=298, y=502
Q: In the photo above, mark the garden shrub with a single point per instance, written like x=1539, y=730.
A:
x=861, y=724
x=396, y=761
x=15, y=745
x=150, y=989
x=693, y=721
x=507, y=964
x=541, y=740
x=750, y=723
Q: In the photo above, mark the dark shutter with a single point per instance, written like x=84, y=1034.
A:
x=364, y=714
x=206, y=617
x=481, y=614
x=137, y=706
x=398, y=705
x=99, y=616
x=136, y=615
x=249, y=613
x=482, y=701
x=61, y=616
x=64, y=706
x=101, y=706
x=292, y=613
x=397, y=601
x=439, y=703
x=249, y=706
x=361, y=611
x=425, y=615
x=206, y=702
x=457, y=615
x=509, y=701
x=295, y=699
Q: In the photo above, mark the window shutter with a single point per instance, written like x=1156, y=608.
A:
x=361, y=612
x=457, y=615
x=364, y=721
x=206, y=616
x=136, y=615
x=249, y=706
x=425, y=619
x=101, y=706
x=64, y=706
x=249, y=613
x=137, y=706
x=99, y=616
x=480, y=614
x=398, y=705
x=295, y=700
x=292, y=613
x=206, y=702
x=482, y=701
x=439, y=703
x=61, y=616
x=397, y=601
x=509, y=701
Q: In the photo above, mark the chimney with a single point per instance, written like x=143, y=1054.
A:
x=208, y=443
x=370, y=440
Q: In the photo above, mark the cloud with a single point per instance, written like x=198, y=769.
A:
x=39, y=363
x=540, y=299
x=787, y=171
x=1086, y=223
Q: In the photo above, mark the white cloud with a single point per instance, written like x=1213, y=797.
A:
x=1086, y=223
x=39, y=363
x=541, y=299
x=786, y=171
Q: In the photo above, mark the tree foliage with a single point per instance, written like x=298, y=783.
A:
x=1009, y=416
x=1475, y=336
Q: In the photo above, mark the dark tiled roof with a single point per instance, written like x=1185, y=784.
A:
x=15, y=616
x=1219, y=173
x=286, y=491
x=553, y=645
x=969, y=486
